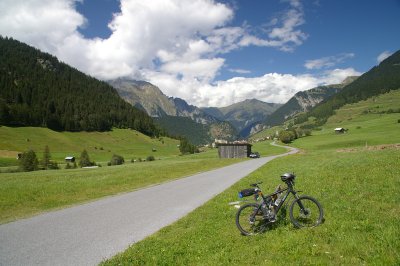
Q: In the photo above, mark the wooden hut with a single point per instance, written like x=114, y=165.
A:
x=230, y=150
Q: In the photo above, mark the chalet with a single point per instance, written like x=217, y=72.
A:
x=339, y=130
x=70, y=159
x=234, y=150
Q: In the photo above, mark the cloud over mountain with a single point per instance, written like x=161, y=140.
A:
x=177, y=45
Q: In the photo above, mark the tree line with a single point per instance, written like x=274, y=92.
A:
x=38, y=90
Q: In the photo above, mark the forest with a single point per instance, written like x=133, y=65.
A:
x=36, y=89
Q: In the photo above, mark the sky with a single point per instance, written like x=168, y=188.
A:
x=209, y=52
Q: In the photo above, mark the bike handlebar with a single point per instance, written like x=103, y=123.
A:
x=256, y=184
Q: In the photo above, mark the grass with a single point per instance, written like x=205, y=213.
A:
x=357, y=186
x=358, y=192
x=26, y=194
x=100, y=145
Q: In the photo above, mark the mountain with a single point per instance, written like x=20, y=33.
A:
x=243, y=113
x=196, y=133
x=150, y=98
x=172, y=113
x=38, y=90
x=145, y=96
x=303, y=101
x=378, y=80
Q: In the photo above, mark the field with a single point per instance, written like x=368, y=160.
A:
x=354, y=175
x=100, y=145
x=26, y=194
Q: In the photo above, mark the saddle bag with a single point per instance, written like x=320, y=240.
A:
x=247, y=192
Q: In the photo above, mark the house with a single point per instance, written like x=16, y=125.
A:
x=340, y=130
x=234, y=150
x=70, y=159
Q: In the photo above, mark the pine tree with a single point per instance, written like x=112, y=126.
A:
x=84, y=160
x=29, y=161
x=46, y=158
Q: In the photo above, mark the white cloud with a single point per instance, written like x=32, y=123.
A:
x=176, y=44
x=42, y=23
x=328, y=62
x=239, y=71
x=382, y=56
x=271, y=87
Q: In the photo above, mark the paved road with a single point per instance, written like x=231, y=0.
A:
x=88, y=233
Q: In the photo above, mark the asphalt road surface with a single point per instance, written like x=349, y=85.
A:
x=89, y=233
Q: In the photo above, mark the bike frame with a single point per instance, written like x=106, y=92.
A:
x=289, y=189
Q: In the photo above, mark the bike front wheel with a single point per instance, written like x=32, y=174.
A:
x=305, y=211
x=249, y=219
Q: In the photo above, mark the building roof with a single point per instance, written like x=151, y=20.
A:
x=234, y=144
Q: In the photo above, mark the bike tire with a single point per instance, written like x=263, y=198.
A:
x=312, y=214
x=247, y=221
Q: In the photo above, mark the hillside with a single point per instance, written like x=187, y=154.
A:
x=196, y=133
x=380, y=79
x=177, y=126
x=302, y=101
x=38, y=90
x=144, y=96
x=100, y=145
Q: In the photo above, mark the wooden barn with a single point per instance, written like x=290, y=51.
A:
x=230, y=150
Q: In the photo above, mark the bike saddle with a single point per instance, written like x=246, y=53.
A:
x=287, y=177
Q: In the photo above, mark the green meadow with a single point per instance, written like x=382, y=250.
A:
x=24, y=194
x=100, y=145
x=354, y=175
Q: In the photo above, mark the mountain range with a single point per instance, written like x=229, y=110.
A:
x=238, y=120
x=39, y=90
x=225, y=122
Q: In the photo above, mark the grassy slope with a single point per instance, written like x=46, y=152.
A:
x=357, y=189
x=100, y=145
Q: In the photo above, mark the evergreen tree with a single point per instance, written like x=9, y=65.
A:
x=46, y=158
x=84, y=160
x=29, y=161
x=187, y=148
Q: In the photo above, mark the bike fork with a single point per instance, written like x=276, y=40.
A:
x=302, y=208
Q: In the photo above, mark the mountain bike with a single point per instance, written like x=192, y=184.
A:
x=253, y=218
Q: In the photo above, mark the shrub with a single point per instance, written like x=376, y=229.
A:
x=116, y=160
x=29, y=161
x=84, y=160
x=150, y=158
x=286, y=136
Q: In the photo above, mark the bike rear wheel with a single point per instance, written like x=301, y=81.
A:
x=249, y=219
x=306, y=211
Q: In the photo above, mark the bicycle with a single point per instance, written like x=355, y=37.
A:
x=253, y=218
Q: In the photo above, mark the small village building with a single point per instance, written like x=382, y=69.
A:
x=339, y=130
x=70, y=159
x=234, y=150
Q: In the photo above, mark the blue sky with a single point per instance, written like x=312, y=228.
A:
x=212, y=53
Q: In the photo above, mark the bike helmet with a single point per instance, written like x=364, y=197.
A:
x=287, y=177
